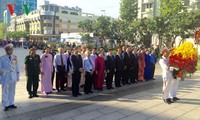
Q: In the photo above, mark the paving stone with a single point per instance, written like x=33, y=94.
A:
x=88, y=116
x=136, y=116
x=111, y=116
x=66, y=115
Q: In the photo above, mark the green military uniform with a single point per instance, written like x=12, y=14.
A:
x=33, y=71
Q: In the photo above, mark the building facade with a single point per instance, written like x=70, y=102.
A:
x=150, y=8
x=49, y=21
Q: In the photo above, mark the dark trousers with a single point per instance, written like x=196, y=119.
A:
x=32, y=84
x=52, y=77
x=126, y=76
x=118, y=78
x=88, y=82
x=60, y=77
x=135, y=72
x=152, y=70
x=76, y=76
x=132, y=76
x=109, y=79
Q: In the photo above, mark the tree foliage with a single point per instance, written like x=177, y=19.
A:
x=128, y=10
x=16, y=35
x=3, y=30
x=86, y=25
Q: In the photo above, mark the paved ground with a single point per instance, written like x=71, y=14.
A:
x=139, y=101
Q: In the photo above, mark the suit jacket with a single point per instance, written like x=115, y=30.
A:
x=134, y=61
x=80, y=60
x=8, y=69
x=76, y=62
x=110, y=63
x=119, y=64
x=127, y=60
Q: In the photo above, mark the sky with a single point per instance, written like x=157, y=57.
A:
x=111, y=7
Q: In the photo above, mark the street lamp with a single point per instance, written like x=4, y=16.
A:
x=104, y=12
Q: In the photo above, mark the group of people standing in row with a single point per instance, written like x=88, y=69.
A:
x=74, y=68
x=79, y=67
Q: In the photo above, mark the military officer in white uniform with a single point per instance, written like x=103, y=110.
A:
x=166, y=75
x=9, y=74
x=174, y=88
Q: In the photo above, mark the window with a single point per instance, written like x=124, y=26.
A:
x=149, y=5
x=65, y=12
x=57, y=17
x=51, y=8
x=47, y=17
x=48, y=25
x=46, y=8
x=73, y=13
x=57, y=25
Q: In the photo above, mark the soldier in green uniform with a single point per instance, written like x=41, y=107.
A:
x=32, y=71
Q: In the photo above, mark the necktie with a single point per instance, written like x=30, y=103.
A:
x=10, y=58
x=120, y=57
x=61, y=60
x=91, y=64
x=128, y=54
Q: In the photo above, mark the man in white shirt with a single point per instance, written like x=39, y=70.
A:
x=60, y=64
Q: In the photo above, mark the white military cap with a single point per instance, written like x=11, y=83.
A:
x=10, y=45
x=164, y=50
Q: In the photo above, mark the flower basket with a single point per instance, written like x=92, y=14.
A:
x=185, y=58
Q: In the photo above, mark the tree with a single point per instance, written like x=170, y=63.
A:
x=3, y=30
x=86, y=25
x=128, y=10
x=16, y=35
x=172, y=12
x=102, y=26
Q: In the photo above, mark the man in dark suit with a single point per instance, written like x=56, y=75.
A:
x=119, y=65
x=135, y=66
x=77, y=70
x=110, y=69
x=127, y=63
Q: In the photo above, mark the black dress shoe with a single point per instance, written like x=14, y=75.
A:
x=91, y=92
x=175, y=98
x=79, y=94
x=6, y=108
x=75, y=95
x=111, y=87
x=86, y=92
x=168, y=101
x=128, y=83
x=12, y=106
x=63, y=89
x=30, y=96
x=35, y=95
